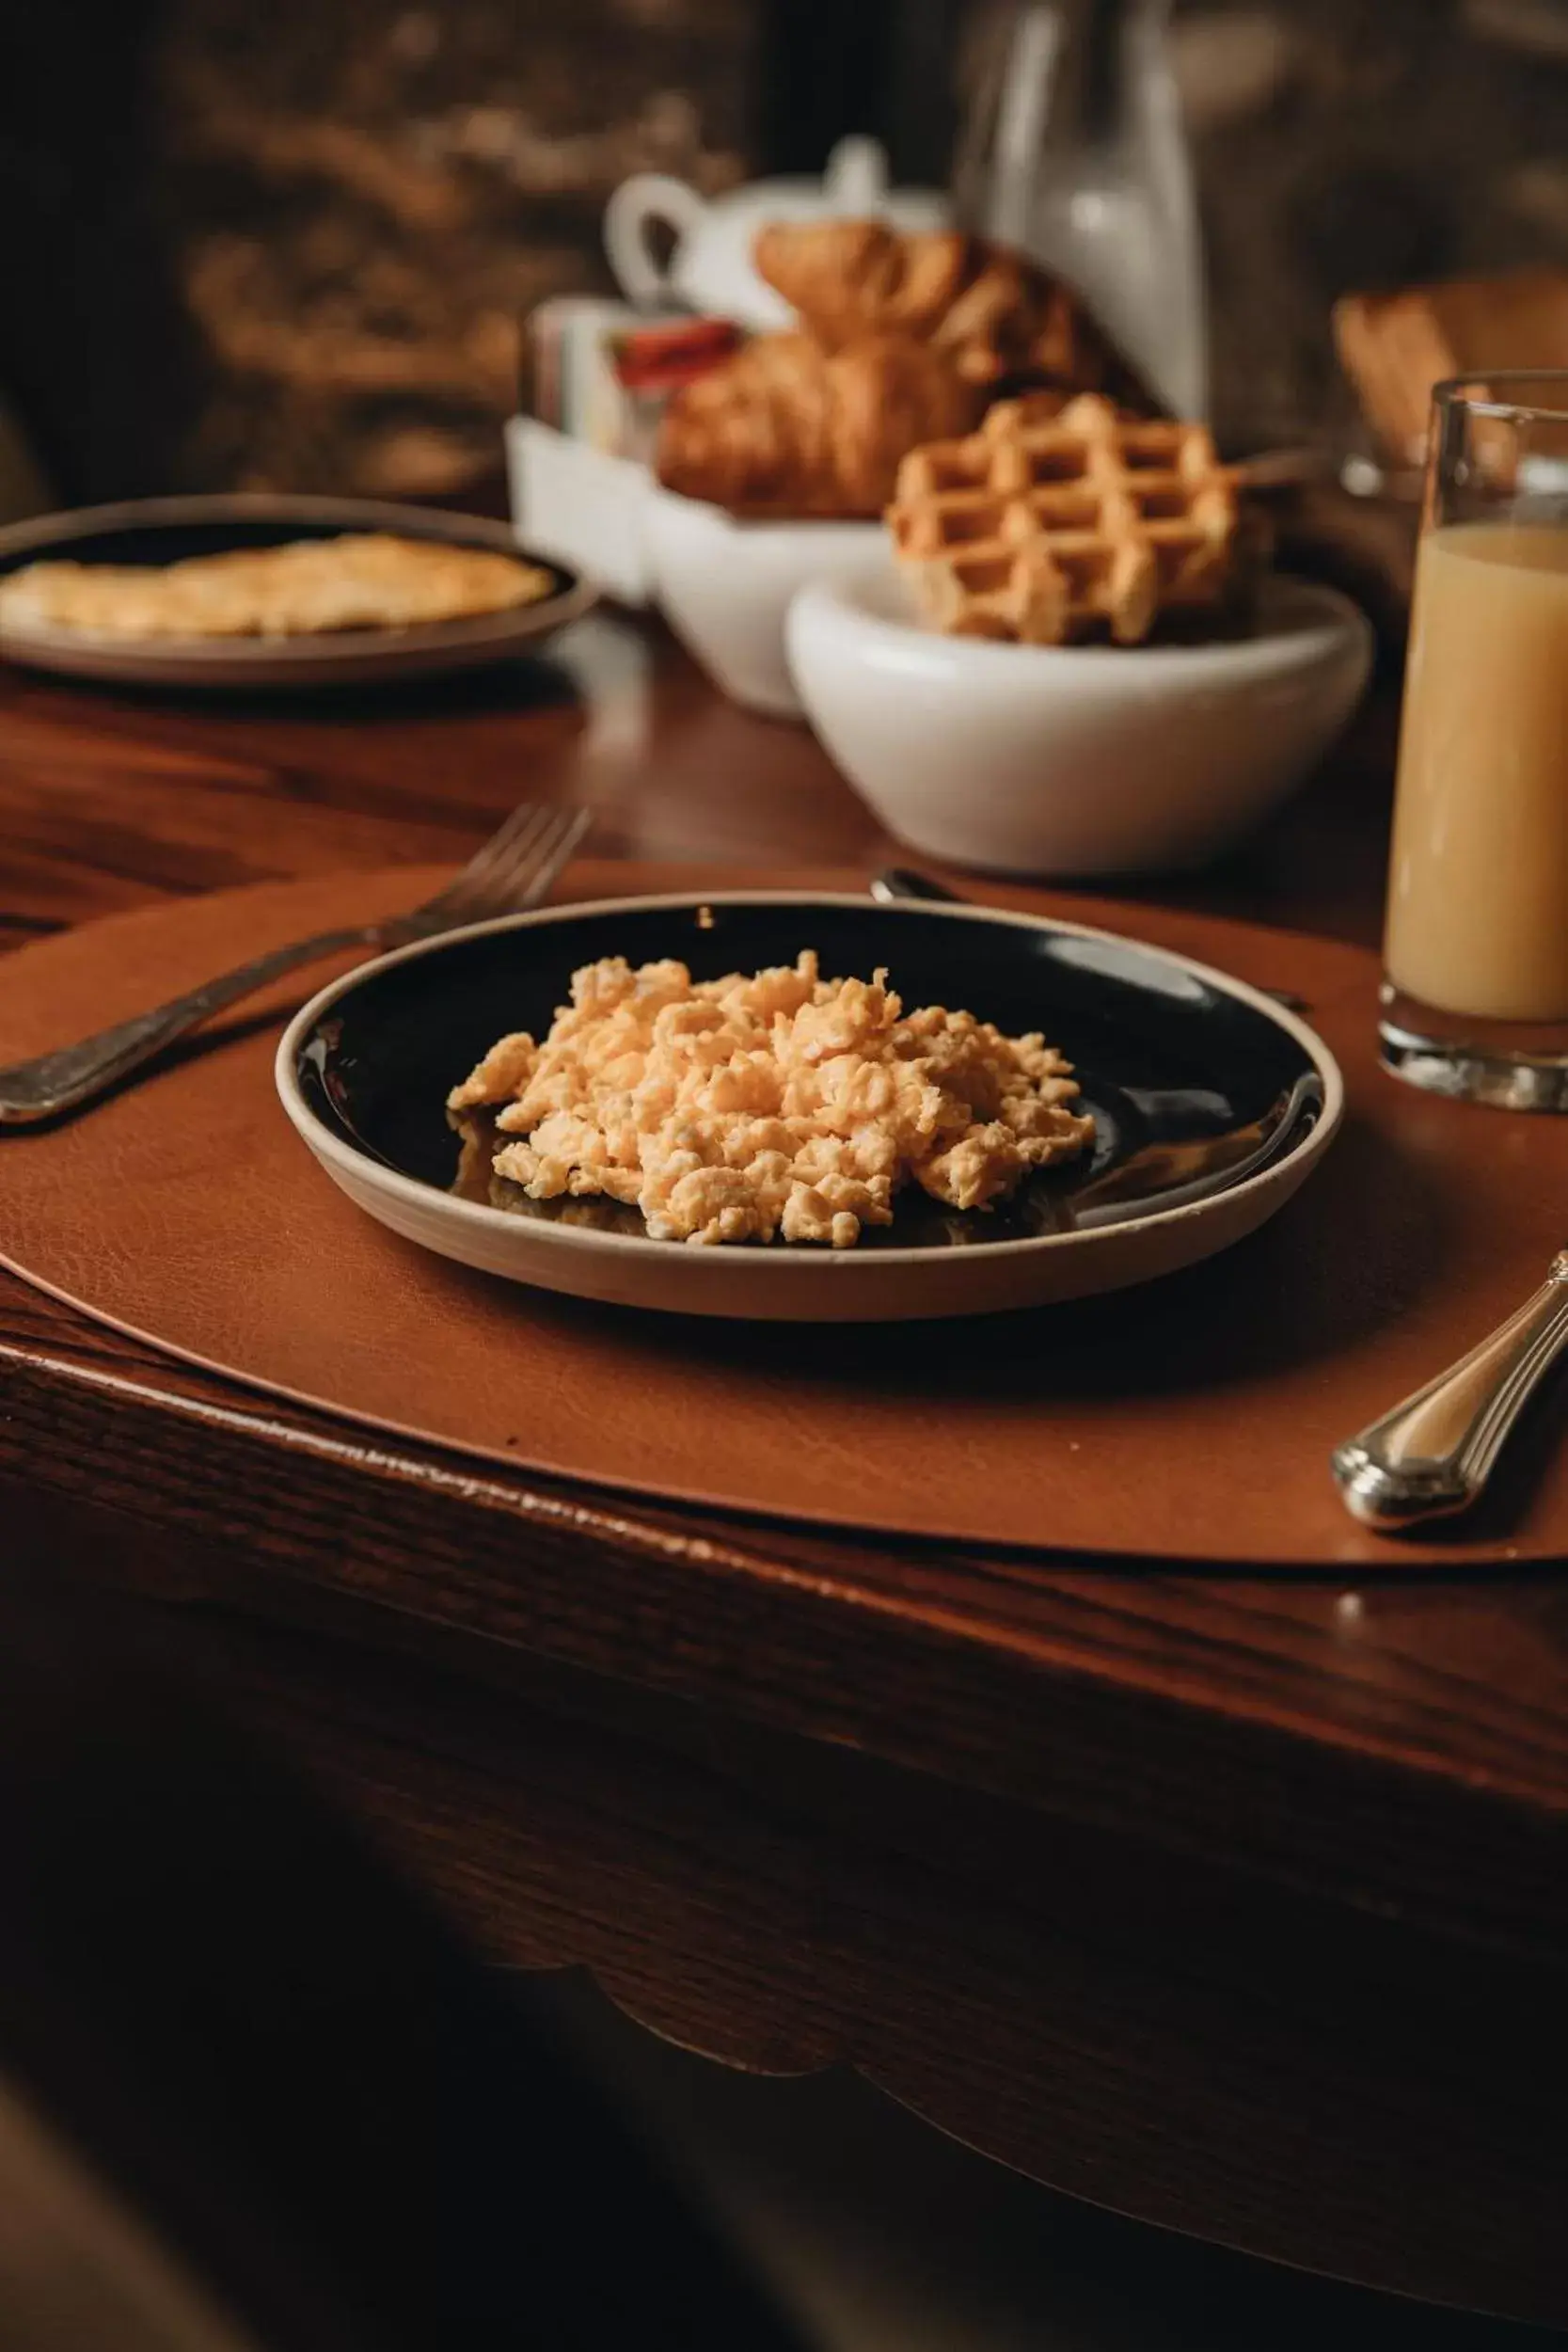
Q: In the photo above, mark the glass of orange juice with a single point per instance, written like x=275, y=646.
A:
x=1474, y=995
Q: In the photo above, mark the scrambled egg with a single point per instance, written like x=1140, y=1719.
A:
x=772, y=1103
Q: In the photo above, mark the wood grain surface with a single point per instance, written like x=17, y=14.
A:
x=1239, y=1903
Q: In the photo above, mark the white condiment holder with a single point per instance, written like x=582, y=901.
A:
x=580, y=505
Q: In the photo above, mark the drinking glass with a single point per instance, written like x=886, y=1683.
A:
x=1475, y=992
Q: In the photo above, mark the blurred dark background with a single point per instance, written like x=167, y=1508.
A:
x=291, y=243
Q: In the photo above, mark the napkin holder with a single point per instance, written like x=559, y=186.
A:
x=599, y=374
x=580, y=504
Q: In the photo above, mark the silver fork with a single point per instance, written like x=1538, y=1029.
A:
x=512, y=870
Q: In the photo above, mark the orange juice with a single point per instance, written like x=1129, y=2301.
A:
x=1478, y=896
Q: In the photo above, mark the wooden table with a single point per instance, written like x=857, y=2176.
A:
x=1239, y=1903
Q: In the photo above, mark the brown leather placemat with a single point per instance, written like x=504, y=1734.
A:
x=1192, y=1419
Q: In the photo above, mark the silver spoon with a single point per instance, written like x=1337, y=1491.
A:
x=901, y=882
x=1433, y=1455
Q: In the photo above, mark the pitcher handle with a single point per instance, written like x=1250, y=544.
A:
x=637, y=203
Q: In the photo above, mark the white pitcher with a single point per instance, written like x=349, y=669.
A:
x=711, y=269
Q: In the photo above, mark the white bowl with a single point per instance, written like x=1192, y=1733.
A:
x=1072, y=760
x=725, y=588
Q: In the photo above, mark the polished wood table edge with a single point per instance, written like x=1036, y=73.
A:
x=1104, y=1727
x=742, y=1894
x=806, y=1875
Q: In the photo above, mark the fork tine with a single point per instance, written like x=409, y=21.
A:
x=514, y=868
x=522, y=879
x=528, y=824
x=509, y=869
x=528, y=820
x=506, y=855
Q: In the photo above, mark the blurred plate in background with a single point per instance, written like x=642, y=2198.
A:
x=164, y=530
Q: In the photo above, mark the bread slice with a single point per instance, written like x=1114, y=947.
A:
x=1395, y=347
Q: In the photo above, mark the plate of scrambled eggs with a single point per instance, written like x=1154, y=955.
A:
x=805, y=1108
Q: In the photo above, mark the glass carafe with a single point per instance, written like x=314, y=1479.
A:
x=1075, y=152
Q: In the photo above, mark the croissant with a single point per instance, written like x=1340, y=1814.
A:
x=992, y=313
x=788, y=427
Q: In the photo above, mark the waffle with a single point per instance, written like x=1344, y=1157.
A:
x=1052, y=523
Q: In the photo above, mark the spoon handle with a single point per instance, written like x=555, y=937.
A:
x=902, y=882
x=1434, y=1453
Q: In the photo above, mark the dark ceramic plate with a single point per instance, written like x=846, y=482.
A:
x=1210, y=1103
x=166, y=531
